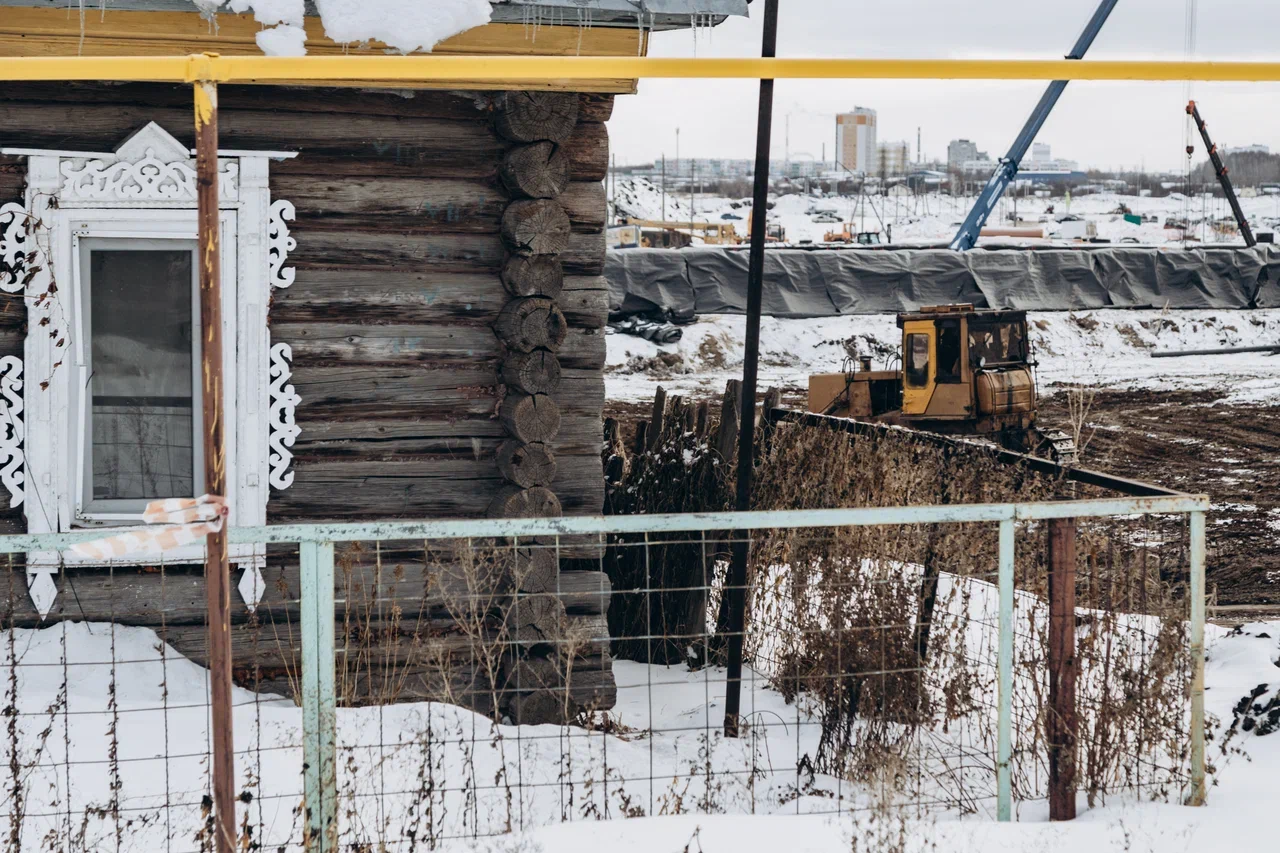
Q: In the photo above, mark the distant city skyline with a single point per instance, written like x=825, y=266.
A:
x=1103, y=125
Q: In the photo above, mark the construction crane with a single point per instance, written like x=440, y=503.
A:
x=1221, y=171
x=967, y=236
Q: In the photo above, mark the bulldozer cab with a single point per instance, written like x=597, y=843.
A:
x=959, y=363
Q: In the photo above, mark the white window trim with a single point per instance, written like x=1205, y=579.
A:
x=146, y=188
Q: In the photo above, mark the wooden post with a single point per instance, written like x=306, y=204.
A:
x=1061, y=721
x=736, y=589
x=217, y=572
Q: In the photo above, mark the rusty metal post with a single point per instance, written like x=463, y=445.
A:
x=1062, y=723
x=736, y=588
x=217, y=572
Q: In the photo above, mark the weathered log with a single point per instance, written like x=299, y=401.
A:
x=539, y=707
x=380, y=247
x=440, y=347
x=540, y=170
x=515, y=502
x=402, y=296
x=659, y=416
x=530, y=417
x=536, y=227
x=536, y=372
x=536, y=569
x=533, y=275
x=588, y=150
x=533, y=322
x=730, y=409
x=527, y=465
x=536, y=116
x=594, y=107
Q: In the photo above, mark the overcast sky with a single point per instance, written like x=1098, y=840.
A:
x=1098, y=124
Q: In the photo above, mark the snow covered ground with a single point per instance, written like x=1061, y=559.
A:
x=468, y=777
x=934, y=219
x=1111, y=346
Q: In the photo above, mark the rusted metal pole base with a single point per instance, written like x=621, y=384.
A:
x=1061, y=722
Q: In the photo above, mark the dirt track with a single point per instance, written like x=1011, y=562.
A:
x=1195, y=442
x=1187, y=440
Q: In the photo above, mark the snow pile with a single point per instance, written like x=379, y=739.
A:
x=640, y=198
x=1111, y=346
x=405, y=25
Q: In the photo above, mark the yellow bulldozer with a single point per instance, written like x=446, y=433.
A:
x=963, y=371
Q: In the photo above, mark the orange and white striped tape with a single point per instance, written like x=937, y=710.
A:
x=178, y=522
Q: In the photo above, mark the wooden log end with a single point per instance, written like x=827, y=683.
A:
x=527, y=465
x=530, y=418
x=533, y=275
x=536, y=116
x=536, y=227
x=536, y=372
x=531, y=323
x=540, y=170
x=515, y=502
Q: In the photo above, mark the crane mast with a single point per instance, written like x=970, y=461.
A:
x=1221, y=171
x=967, y=236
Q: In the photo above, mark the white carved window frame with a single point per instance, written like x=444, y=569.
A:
x=146, y=188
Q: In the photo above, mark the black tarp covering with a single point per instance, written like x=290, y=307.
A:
x=823, y=283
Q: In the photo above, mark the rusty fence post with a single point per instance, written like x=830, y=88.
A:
x=216, y=569
x=1062, y=723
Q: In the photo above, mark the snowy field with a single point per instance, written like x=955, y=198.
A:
x=934, y=218
x=468, y=777
x=1112, y=347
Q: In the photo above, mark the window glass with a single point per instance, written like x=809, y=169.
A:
x=917, y=360
x=141, y=426
x=949, y=351
x=998, y=343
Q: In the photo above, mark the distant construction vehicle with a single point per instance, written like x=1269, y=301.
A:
x=848, y=235
x=964, y=371
x=712, y=233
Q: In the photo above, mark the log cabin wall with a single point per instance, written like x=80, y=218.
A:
x=447, y=327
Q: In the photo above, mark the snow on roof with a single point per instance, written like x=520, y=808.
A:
x=414, y=25
x=651, y=14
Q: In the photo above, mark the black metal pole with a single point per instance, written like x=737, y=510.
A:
x=737, y=587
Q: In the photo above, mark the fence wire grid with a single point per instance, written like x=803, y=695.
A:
x=493, y=685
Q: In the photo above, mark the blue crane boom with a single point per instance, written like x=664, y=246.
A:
x=967, y=236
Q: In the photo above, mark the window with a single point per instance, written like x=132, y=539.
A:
x=917, y=360
x=997, y=343
x=142, y=420
x=112, y=396
x=949, y=351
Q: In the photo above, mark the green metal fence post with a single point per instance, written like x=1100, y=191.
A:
x=1004, y=788
x=320, y=780
x=1196, y=796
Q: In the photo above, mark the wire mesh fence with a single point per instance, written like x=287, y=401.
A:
x=494, y=683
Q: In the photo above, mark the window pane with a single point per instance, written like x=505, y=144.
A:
x=141, y=385
x=917, y=360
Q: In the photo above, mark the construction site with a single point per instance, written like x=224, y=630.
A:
x=389, y=471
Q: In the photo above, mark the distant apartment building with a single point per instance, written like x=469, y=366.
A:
x=961, y=151
x=856, y=140
x=892, y=158
x=1040, y=151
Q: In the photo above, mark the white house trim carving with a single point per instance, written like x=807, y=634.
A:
x=17, y=245
x=11, y=429
x=281, y=243
x=143, y=189
x=284, y=400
